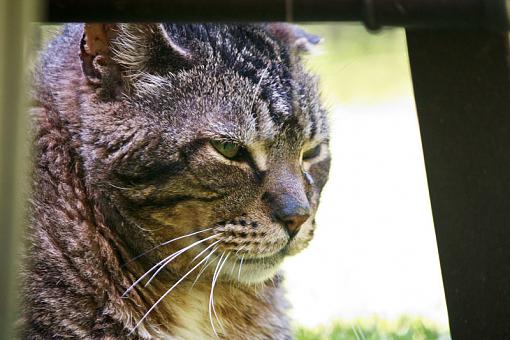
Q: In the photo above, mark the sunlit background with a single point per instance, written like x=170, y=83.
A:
x=374, y=254
x=373, y=265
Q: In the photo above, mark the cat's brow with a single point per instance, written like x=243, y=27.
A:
x=259, y=154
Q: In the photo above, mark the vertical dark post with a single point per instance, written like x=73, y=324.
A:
x=14, y=19
x=462, y=90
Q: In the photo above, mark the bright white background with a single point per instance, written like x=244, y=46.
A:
x=374, y=251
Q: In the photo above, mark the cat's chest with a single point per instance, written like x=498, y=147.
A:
x=193, y=322
x=191, y=317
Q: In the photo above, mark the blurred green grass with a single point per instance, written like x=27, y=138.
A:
x=357, y=66
x=374, y=329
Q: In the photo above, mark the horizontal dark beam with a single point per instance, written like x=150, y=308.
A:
x=475, y=14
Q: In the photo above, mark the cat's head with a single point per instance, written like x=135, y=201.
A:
x=211, y=135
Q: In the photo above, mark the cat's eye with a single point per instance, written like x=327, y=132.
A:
x=312, y=153
x=228, y=149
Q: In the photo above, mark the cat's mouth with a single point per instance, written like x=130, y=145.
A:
x=247, y=250
x=254, y=268
x=263, y=259
x=267, y=263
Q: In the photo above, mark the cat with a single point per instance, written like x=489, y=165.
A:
x=175, y=167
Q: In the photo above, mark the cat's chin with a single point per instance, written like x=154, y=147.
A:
x=253, y=270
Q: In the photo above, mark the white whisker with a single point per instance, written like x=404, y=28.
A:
x=149, y=271
x=233, y=267
x=241, y=248
x=240, y=266
x=144, y=229
x=211, y=295
x=168, y=292
x=117, y=187
x=178, y=238
x=164, y=244
x=206, y=264
x=203, y=251
x=211, y=298
x=176, y=254
x=141, y=277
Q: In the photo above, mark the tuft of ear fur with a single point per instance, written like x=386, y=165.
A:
x=147, y=48
x=294, y=36
x=115, y=55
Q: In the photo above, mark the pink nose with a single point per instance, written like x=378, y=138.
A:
x=293, y=220
x=291, y=209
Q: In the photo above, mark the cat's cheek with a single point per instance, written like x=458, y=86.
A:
x=303, y=238
x=189, y=215
x=319, y=172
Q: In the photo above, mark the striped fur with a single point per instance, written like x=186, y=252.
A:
x=123, y=163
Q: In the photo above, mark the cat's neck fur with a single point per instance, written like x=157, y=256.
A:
x=74, y=279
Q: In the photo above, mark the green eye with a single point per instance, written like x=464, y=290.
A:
x=312, y=153
x=229, y=150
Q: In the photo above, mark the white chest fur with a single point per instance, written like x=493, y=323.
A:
x=191, y=317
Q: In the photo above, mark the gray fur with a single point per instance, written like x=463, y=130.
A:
x=123, y=162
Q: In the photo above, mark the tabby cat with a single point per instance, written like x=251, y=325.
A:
x=175, y=166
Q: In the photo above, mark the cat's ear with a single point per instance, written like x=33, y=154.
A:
x=149, y=48
x=296, y=37
x=95, y=53
x=117, y=53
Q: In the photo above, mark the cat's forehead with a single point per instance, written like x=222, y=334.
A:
x=232, y=107
x=267, y=111
x=202, y=104
x=235, y=44
x=247, y=88
x=249, y=51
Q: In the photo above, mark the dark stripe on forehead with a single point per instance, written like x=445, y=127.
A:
x=313, y=124
x=276, y=85
x=306, y=108
x=247, y=50
x=276, y=92
x=282, y=93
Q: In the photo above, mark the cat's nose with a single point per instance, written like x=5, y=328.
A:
x=293, y=216
x=287, y=198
